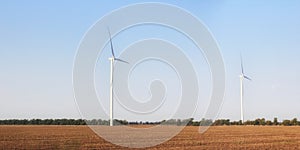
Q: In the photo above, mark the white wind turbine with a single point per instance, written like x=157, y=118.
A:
x=112, y=60
x=242, y=77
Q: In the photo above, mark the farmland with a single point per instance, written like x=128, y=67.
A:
x=81, y=137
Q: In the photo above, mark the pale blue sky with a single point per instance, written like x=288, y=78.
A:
x=39, y=42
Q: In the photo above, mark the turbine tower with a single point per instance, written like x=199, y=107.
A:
x=242, y=77
x=112, y=60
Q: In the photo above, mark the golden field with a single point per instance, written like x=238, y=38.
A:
x=216, y=137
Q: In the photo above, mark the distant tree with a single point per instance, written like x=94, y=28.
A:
x=123, y=122
x=286, y=122
x=190, y=121
x=269, y=122
x=249, y=122
x=262, y=121
x=294, y=122
x=257, y=121
x=205, y=122
x=221, y=122
x=275, y=121
x=172, y=122
x=196, y=123
x=227, y=122
x=178, y=122
x=235, y=122
x=240, y=122
x=48, y=121
x=217, y=123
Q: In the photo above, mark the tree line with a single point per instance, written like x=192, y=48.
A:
x=258, y=121
x=43, y=122
x=178, y=122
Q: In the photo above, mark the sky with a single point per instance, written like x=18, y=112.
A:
x=39, y=41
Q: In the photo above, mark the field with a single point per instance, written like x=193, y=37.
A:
x=218, y=137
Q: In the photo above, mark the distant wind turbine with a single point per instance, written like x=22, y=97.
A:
x=242, y=77
x=112, y=60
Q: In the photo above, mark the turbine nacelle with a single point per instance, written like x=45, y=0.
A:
x=117, y=59
x=245, y=77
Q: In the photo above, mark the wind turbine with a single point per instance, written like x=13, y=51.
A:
x=242, y=77
x=112, y=60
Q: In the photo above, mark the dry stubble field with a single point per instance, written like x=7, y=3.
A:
x=220, y=137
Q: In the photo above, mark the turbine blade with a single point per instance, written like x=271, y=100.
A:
x=111, y=44
x=117, y=59
x=242, y=67
x=247, y=78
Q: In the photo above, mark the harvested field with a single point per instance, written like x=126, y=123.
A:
x=217, y=137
